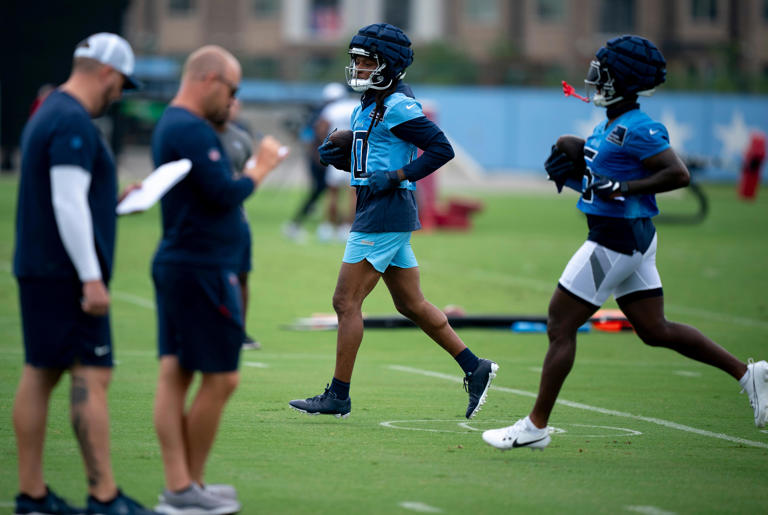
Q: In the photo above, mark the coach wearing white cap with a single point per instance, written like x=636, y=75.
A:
x=65, y=239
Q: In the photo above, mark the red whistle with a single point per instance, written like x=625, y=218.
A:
x=569, y=90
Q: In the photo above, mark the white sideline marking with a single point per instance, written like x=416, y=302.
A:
x=649, y=510
x=255, y=364
x=587, y=407
x=7, y=504
x=687, y=373
x=419, y=506
x=391, y=424
x=133, y=299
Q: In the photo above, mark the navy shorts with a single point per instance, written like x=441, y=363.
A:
x=199, y=317
x=57, y=333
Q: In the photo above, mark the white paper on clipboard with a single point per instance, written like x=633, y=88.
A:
x=154, y=186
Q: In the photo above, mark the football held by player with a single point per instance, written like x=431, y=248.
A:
x=387, y=129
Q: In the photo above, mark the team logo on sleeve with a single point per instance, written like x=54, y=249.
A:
x=76, y=143
x=214, y=154
x=617, y=135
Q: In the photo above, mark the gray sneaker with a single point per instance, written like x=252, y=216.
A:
x=221, y=490
x=195, y=500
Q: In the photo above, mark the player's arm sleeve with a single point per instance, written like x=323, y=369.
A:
x=69, y=196
x=647, y=140
x=423, y=133
x=211, y=174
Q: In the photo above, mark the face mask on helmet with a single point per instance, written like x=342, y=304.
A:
x=600, y=85
x=375, y=80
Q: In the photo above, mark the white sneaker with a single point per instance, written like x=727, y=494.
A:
x=755, y=383
x=521, y=434
x=294, y=232
x=325, y=232
x=342, y=232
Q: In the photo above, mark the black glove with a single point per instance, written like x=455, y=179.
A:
x=330, y=154
x=560, y=168
x=607, y=189
x=382, y=181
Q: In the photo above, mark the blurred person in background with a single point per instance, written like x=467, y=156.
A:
x=199, y=303
x=65, y=242
x=388, y=126
x=238, y=147
x=336, y=116
x=618, y=170
x=42, y=94
x=294, y=229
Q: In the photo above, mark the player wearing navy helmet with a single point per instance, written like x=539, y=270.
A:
x=388, y=127
x=618, y=170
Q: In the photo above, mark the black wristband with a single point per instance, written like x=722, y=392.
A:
x=624, y=188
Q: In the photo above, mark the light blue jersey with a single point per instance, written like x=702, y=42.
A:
x=383, y=150
x=617, y=152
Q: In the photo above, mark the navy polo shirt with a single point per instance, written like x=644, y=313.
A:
x=61, y=133
x=201, y=215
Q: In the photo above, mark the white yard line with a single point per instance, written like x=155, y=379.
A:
x=596, y=409
x=420, y=507
x=132, y=299
x=648, y=510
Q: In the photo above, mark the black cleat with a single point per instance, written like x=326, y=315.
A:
x=51, y=504
x=476, y=384
x=324, y=404
x=120, y=505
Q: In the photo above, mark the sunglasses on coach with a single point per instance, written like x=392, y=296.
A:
x=232, y=86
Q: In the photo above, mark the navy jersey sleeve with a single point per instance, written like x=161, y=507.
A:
x=73, y=142
x=423, y=133
x=210, y=171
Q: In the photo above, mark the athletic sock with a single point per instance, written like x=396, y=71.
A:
x=340, y=389
x=467, y=360
x=744, y=381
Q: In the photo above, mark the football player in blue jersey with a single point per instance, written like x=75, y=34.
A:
x=618, y=170
x=65, y=242
x=388, y=126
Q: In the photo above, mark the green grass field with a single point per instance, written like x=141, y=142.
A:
x=652, y=432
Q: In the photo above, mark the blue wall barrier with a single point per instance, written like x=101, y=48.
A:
x=513, y=128
x=506, y=129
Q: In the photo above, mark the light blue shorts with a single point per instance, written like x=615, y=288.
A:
x=381, y=249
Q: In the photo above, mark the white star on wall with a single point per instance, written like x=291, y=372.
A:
x=733, y=136
x=678, y=132
x=584, y=128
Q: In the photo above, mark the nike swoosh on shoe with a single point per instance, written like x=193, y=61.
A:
x=515, y=444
